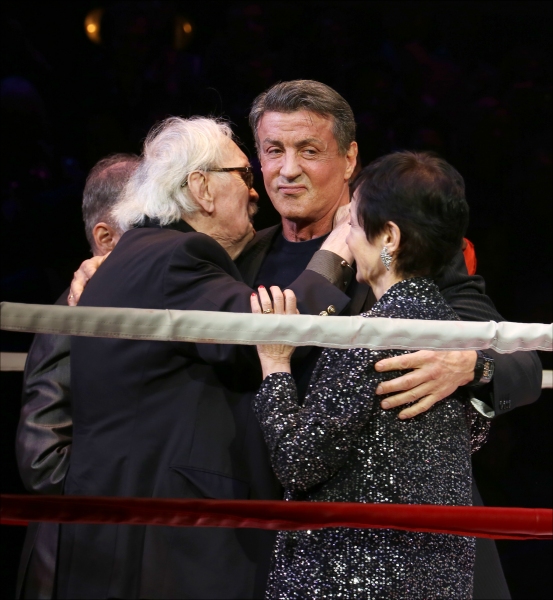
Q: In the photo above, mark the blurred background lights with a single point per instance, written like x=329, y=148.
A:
x=183, y=32
x=92, y=25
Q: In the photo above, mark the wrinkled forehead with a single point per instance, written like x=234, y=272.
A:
x=231, y=153
x=304, y=123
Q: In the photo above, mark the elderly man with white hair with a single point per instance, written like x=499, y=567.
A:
x=164, y=419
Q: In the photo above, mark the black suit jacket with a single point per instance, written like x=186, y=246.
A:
x=164, y=419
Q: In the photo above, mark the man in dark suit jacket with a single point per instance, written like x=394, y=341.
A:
x=164, y=419
x=44, y=434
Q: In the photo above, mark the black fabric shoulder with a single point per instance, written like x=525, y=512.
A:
x=198, y=247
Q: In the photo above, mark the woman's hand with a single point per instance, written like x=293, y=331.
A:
x=274, y=358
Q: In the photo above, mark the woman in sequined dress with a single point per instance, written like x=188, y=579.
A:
x=408, y=218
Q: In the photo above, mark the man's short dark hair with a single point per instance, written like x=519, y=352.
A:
x=425, y=197
x=305, y=94
x=103, y=188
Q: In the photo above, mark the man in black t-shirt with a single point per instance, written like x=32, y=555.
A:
x=305, y=138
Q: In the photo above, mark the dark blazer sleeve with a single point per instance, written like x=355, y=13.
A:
x=517, y=378
x=314, y=292
x=201, y=276
x=44, y=433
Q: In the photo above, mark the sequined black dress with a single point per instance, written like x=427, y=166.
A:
x=341, y=446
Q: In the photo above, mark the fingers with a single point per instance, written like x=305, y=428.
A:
x=264, y=299
x=281, y=303
x=405, y=361
x=278, y=300
x=426, y=394
x=409, y=381
x=82, y=276
x=290, y=303
x=454, y=368
x=418, y=408
x=254, y=302
x=341, y=215
x=336, y=241
x=77, y=286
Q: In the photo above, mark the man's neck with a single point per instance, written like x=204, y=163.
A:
x=302, y=232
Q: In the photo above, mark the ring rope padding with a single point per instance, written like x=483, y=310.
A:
x=473, y=521
x=296, y=330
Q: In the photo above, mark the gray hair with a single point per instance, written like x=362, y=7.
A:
x=305, y=94
x=103, y=189
x=172, y=150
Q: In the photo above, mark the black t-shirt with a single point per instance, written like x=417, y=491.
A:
x=284, y=262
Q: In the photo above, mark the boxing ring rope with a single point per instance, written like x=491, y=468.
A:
x=474, y=521
x=297, y=330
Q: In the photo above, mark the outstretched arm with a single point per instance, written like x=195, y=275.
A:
x=435, y=375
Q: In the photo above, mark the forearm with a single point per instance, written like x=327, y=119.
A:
x=516, y=381
x=308, y=444
x=44, y=433
x=299, y=443
x=269, y=366
x=517, y=377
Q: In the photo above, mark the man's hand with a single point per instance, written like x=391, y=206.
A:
x=81, y=277
x=435, y=376
x=341, y=215
x=336, y=241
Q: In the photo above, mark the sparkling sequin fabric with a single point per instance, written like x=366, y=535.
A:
x=341, y=446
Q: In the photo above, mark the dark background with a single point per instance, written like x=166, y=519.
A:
x=469, y=80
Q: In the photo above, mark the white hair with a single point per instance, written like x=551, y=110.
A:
x=173, y=149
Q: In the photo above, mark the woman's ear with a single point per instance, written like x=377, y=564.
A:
x=105, y=238
x=392, y=237
x=201, y=192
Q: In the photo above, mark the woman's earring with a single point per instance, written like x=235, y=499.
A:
x=386, y=258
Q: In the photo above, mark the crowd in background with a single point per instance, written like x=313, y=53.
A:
x=468, y=80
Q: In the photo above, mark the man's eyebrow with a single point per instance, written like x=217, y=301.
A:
x=309, y=141
x=299, y=144
x=273, y=142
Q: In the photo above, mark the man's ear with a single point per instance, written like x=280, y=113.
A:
x=351, y=159
x=201, y=192
x=105, y=238
x=392, y=236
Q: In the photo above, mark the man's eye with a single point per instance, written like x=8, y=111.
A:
x=309, y=152
x=273, y=151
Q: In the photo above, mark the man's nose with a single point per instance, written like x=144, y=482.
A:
x=254, y=196
x=290, y=168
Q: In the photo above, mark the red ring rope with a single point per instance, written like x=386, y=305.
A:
x=475, y=521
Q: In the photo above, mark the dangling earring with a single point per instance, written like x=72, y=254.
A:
x=386, y=258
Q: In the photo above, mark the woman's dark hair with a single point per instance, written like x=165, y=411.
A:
x=425, y=197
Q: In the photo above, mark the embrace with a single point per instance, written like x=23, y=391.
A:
x=176, y=420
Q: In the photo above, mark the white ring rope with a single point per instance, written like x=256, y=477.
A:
x=296, y=330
